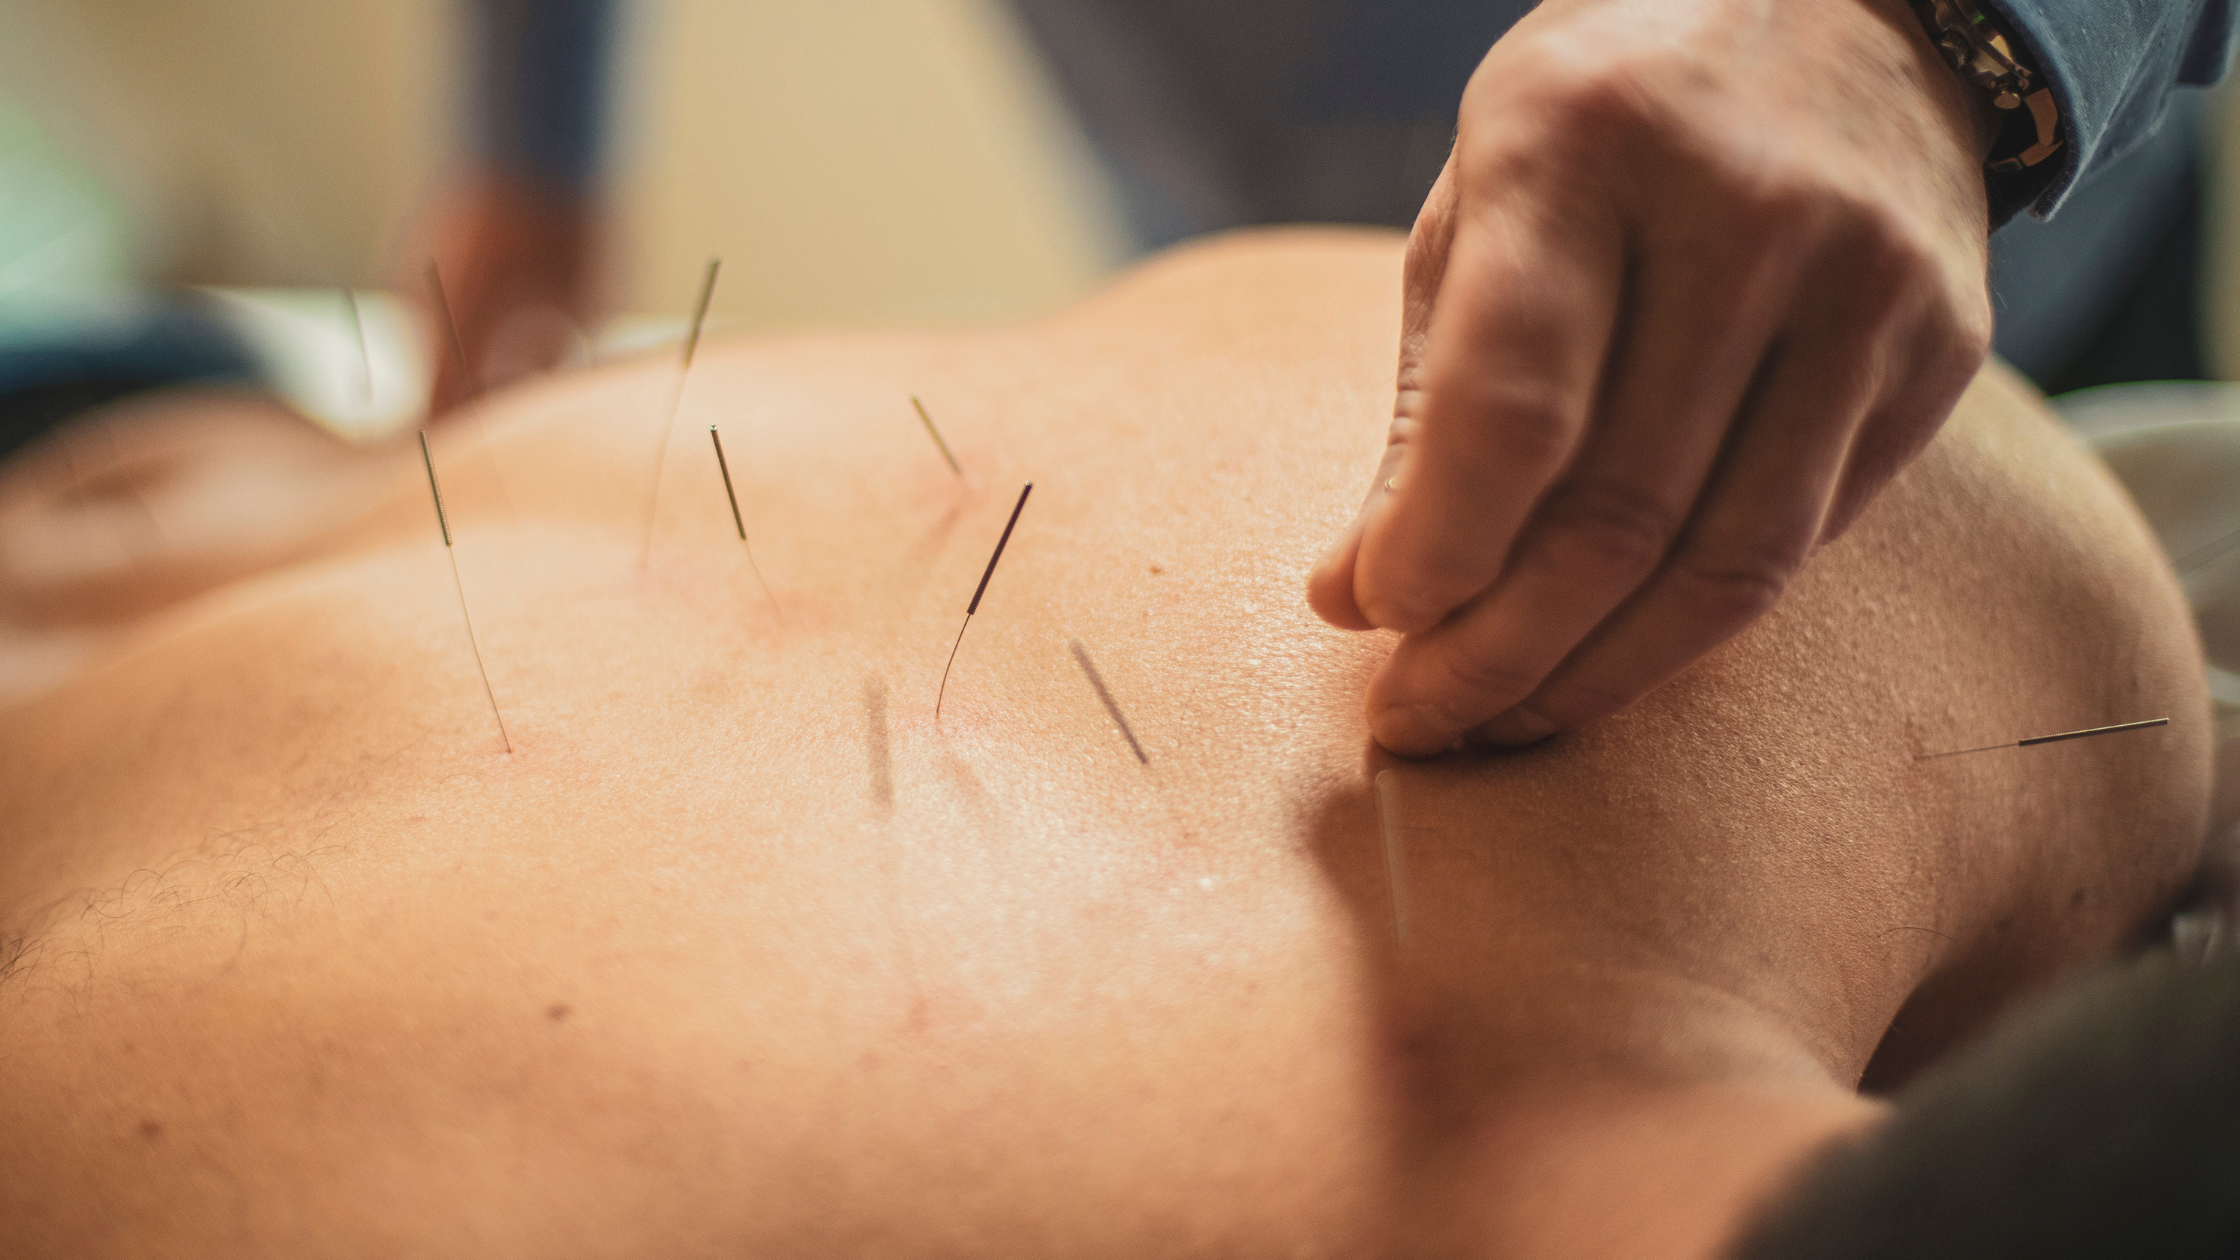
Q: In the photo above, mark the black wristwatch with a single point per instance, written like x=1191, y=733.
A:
x=1983, y=52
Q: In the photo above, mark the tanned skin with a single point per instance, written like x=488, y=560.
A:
x=738, y=952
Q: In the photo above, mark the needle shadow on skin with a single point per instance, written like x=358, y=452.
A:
x=877, y=745
x=935, y=539
x=1340, y=829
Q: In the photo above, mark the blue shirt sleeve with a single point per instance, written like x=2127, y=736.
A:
x=537, y=87
x=2111, y=64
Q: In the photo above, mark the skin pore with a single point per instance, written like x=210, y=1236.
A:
x=738, y=953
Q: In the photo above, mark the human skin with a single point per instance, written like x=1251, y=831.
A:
x=739, y=952
x=1699, y=277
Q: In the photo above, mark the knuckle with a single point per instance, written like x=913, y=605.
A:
x=1570, y=701
x=1485, y=680
x=1883, y=243
x=1607, y=100
x=1963, y=334
x=1520, y=424
x=1535, y=437
x=1785, y=200
x=1558, y=95
x=1614, y=526
x=1738, y=587
x=1410, y=609
x=1971, y=341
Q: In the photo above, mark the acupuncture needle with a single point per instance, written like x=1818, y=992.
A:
x=1104, y=694
x=738, y=521
x=466, y=373
x=974, y=606
x=676, y=400
x=935, y=433
x=2052, y=739
x=2195, y=558
x=451, y=330
x=365, y=354
x=443, y=522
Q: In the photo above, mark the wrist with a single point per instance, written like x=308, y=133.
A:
x=1998, y=72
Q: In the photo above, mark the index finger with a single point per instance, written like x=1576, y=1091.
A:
x=1524, y=318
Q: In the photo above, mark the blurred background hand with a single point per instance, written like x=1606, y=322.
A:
x=1699, y=278
x=517, y=262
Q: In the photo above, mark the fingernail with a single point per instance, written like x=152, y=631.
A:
x=1514, y=729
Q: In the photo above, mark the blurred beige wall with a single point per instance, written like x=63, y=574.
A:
x=851, y=160
x=251, y=141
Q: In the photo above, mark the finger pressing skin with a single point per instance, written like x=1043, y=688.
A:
x=1700, y=327
x=1760, y=520
x=1510, y=366
x=1330, y=586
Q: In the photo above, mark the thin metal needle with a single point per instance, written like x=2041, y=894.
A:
x=443, y=522
x=676, y=400
x=2052, y=739
x=736, y=520
x=974, y=607
x=2209, y=551
x=451, y=330
x=1104, y=693
x=2094, y=730
x=459, y=352
x=1395, y=876
x=937, y=441
x=365, y=355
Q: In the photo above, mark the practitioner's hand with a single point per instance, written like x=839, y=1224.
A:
x=516, y=261
x=1699, y=277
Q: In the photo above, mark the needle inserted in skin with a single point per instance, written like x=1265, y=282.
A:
x=974, y=606
x=936, y=434
x=676, y=400
x=443, y=522
x=736, y=520
x=1395, y=876
x=2051, y=739
x=1104, y=693
x=365, y=355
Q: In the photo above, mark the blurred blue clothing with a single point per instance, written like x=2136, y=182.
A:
x=2112, y=64
x=1262, y=110
x=2055, y=283
x=541, y=71
x=537, y=87
x=1265, y=111
x=76, y=330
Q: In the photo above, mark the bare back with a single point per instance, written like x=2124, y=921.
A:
x=738, y=951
